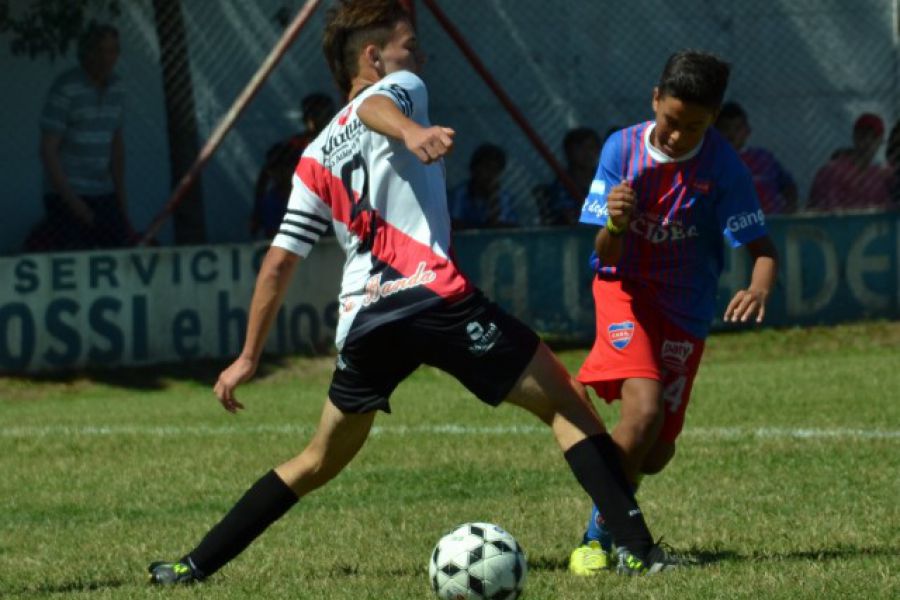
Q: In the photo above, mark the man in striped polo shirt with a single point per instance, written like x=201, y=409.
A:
x=82, y=149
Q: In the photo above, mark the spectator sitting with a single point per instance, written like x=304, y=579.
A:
x=851, y=180
x=269, y=209
x=83, y=152
x=480, y=202
x=775, y=187
x=318, y=109
x=555, y=205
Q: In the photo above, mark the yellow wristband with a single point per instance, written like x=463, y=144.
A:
x=612, y=229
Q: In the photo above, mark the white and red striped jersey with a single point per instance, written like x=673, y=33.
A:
x=388, y=209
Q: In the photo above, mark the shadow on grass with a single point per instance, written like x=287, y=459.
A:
x=704, y=557
x=700, y=557
x=70, y=587
x=153, y=377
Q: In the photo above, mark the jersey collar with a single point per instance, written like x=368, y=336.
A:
x=660, y=157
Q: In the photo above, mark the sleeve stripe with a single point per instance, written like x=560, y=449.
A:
x=311, y=216
x=296, y=236
x=300, y=225
x=402, y=98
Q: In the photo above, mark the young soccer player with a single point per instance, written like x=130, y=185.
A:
x=667, y=194
x=375, y=173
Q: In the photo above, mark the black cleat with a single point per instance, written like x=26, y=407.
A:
x=658, y=559
x=171, y=573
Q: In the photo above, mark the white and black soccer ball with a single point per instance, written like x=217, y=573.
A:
x=478, y=561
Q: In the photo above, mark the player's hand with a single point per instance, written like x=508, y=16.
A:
x=429, y=143
x=238, y=372
x=620, y=204
x=746, y=304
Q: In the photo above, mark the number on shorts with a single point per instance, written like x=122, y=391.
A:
x=674, y=392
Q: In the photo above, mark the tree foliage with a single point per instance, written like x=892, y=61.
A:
x=48, y=27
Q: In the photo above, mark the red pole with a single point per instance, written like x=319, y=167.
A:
x=225, y=124
x=504, y=99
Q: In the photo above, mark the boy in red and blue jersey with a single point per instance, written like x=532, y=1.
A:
x=668, y=195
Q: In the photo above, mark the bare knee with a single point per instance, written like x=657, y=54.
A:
x=309, y=470
x=658, y=457
x=642, y=409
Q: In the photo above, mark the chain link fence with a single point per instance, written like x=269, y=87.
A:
x=802, y=69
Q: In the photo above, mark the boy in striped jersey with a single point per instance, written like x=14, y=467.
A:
x=376, y=174
x=666, y=196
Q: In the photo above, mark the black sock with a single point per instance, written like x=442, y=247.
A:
x=263, y=504
x=598, y=469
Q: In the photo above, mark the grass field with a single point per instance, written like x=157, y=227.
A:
x=786, y=484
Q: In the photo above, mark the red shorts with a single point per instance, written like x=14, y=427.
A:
x=634, y=339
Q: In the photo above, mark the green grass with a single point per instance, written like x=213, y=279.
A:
x=101, y=474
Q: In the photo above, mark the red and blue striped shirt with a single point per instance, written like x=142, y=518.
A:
x=686, y=208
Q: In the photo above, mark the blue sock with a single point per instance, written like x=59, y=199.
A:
x=596, y=530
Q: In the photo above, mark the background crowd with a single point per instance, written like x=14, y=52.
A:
x=85, y=201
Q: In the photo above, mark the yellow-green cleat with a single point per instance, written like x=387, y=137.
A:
x=589, y=559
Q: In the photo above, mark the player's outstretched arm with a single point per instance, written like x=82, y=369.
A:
x=752, y=300
x=380, y=114
x=271, y=285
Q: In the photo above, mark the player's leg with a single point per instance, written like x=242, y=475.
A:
x=498, y=358
x=336, y=441
x=621, y=364
x=640, y=420
x=362, y=383
x=547, y=391
x=680, y=356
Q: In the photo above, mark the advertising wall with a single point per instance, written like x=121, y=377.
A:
x=154, y=305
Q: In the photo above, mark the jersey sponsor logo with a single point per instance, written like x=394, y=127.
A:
x=675, y=354
x=656, y=232
x=744, y=220
x=598, y=186
x=592, y=206
x=620, y=334
x=703, y=186
x=375, y=290
x=338, y=146
x=482, y=339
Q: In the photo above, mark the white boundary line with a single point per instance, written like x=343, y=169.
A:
x=701, y=433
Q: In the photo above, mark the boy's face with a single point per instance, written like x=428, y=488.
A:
x=100, y=61
x=402, y=52
x=679, y=125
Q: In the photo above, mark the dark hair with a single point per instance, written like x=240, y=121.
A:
x=731, y=110
x=92, y=36
x=488, y=153
x=350, y=25
x=315, y=104
x=578, y=135
x=695, y=77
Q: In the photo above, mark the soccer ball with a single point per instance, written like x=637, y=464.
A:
x=480, y=561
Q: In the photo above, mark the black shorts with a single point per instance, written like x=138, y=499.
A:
x=474, y=340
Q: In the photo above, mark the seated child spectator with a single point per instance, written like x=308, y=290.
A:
x=481, y=202
x=852, y=180
x=774, y=185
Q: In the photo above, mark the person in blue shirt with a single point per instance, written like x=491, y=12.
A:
x=481, y=202
x=667, y=196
